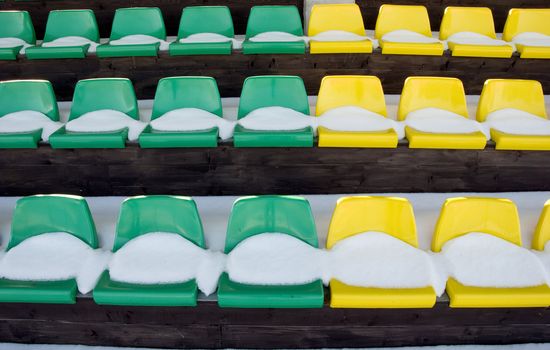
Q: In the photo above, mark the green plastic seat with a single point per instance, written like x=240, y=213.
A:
x=204, y=19
x=266, y=91
x=33, y=216
x=21, y=95
x=131, y=21
x=146, y=214
x=255, y=215
x=62, y=23
x=183, y=92
x=274, y=19
x=92, y=95
x=15, y=24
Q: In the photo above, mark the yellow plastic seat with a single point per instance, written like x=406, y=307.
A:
x=405, y=17
x=525, y=95
x=353, y=90
x=344, y=17
x=472, y=19
x=542, y=232
x=528, y=20
x=498, y=217
x=391, y=215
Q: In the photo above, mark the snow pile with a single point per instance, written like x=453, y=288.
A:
x=276, y=37
x=68, y=41
x=211, y=38
x=518, y=122
x=532, y=39
x=140, y=39
x=436, y=120
x=14, y=42
x=275, y=118
x=408, y=36
x=55, y=256
x=106, y=120
x=472, y=38
x=28, y=121
x=341, y=36
x=193, y=119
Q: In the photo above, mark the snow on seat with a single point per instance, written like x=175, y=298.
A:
x=529, y=30
x=470, y=32
x=16, y=33
x=334, y=18
x=104, y=114
x=433, y=99
x=251, y=216
x=480, y=241
x=69, y=34
x=516, y=114
x=405, y=30
x=137, y=31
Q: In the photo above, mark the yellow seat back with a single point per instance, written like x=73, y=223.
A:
x=346, y=17
x=467, y=19
x=391, y=215
x=435, y=92
x=525, y=95
x=401, y=17
x=526, y=20
x=363, y=91
x=463, y=215
x=542, y=232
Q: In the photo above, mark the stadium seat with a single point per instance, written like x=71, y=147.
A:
x=542, y=231
x=204, y=19
x=361, y=91
x=183, y=92
x=437, y=92
x=256, y=215
x=341, y=17
x=92, y=95
x=22, y=95
x=274, y=19
x=405, y=17
x=528, y=20
x=525, y=95
x=391, y=215
x=146, y=214
x=133, y=21
x=267, y=91
x=498, y=217
x=63, y=23
x=15, y=24
x=33, y=216
x=476, y=20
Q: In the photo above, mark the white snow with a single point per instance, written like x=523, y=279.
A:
x=72, y=41
x=472, y=38
x=437, y=120
x=409, y=36
x=518, y=122
x=276, y=37
x=139, y=39
x=106, y=120
x=275, y=118
x=532, y=39
x=10, y=42
x=27, y=121
x=338, y=35
x=352, y=118
x=211, y=38
x=193, y=119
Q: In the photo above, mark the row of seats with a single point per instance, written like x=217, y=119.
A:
x=286, y=19
x=290, y=215
x=284, y=91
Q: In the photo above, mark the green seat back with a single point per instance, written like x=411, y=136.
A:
x=206, y=19
x=274, y=19
x=35, y=215
x=146, y=214
x=283, y=214
x=104, y=93
x=34, y=95
x=271, y=90
x=138, y=20
x=71, y=23
x=17, y=24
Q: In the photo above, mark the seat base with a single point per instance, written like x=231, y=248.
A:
x=156, y=139
x=420, y=139
x=140, y=50
x=294, y=47
x=514, y=142
x=9, y=53
x=243, y=137
x=39, y=52
x=316, y=47
x=358, y=139
x=64, y=139
x=533, y=51
x=462, y=50
x=21, y=140
x=45, y=292
x=185, y=49
x=425, y=49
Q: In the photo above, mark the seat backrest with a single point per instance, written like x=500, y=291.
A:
x=273, y=90
x=346, y=17
x=17, y=24
x=187, y=92
x=432, y=92
x=542, y=232
x=138, y=20
x=526, y=20
x=358, y=214
x=274, y=19
x=402, y=17
x=71, y=23
x=363, y=91
x=206, y=19
x=281, y=214
x=147, y=214
x=104, y=93
x=525, y=95
x=34, y=95
x=39, y=214
x=462, y=215
x=467, y=19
